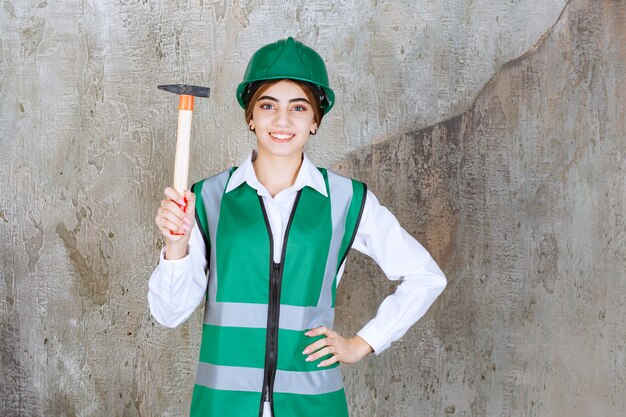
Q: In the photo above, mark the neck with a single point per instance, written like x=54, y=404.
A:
x=277, y=173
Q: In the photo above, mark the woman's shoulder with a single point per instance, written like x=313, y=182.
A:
x=338, y=176
x=219, y=179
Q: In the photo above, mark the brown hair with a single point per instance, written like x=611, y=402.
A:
x=318, y=113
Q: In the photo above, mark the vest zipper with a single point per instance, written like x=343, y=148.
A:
x=273, y=311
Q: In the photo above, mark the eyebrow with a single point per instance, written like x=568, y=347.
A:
x=276, y=100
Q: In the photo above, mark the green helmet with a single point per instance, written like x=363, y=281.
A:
x=287, y=58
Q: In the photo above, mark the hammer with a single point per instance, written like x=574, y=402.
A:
x=185, y=110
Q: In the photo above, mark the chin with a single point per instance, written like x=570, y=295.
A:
x=282, y=149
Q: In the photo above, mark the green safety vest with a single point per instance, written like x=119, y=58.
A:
x=257, y=311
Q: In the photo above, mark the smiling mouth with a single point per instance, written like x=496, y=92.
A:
x=281, y=137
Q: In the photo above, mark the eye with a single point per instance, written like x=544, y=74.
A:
x=298, y=108
x=266, y=106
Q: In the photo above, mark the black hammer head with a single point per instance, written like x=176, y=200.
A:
x=186, y=89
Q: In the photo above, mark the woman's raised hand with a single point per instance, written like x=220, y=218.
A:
x=342, y=350
x=175, y=218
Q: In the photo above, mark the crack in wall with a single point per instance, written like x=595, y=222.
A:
x=525, y=55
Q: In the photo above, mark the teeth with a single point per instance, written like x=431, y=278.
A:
x=282, y=137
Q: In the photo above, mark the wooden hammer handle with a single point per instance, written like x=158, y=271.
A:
x=181, y=161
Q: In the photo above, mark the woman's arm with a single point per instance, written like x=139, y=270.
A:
x=177, y=285
x=401, y=257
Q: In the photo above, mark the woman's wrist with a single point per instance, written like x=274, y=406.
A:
x=362, y=347
x=175, y=250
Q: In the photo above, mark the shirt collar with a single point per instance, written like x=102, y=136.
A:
x=308, y=176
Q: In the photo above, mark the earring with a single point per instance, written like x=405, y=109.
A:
x=314, y=132
x=251, y=128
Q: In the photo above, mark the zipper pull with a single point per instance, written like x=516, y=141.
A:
x=267, y=410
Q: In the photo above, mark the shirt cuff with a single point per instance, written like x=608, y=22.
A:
x=374, y=337
x=171, y=268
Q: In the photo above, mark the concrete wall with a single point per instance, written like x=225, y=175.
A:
x=495, y=131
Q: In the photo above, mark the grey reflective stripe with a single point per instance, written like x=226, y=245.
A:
x=305, y=318
x=236, y=314
x=316, y=382
x=233, y=378
x=229, y=378
x=255, y=316
x=340, y=198
x=212, y=191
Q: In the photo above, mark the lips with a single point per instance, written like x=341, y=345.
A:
x=282, y=137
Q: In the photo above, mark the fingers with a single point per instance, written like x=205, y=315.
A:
x=173, y=195
x=166, y=219
x=343, y=350
x=329, y=361
x=191, y=197
x=329, y=345
x=174, y=202
x=175, y=217
x=328, y=350
x=170, y=214
x=319, y=331
x=314, y=347
x=185, y=202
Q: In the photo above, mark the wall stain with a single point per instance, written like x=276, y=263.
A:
x=62, y=404
x=34, y=244
x=160, y=54
x=546, y=270
x=240, y=12
x=8, y=6
x=3, y=217
x=219, y=9
x=10, y=293
x=15, y=390
x=31, y=37
x=93, y=285
x=429, y=162
x=96, y=160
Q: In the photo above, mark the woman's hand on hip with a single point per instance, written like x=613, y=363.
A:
x=342, y=350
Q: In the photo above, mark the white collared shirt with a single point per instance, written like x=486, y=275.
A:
x=278, y=208
x=176, y=287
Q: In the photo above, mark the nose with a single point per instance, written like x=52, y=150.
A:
x=282, y=117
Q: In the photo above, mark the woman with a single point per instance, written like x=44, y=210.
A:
x=273, y=235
